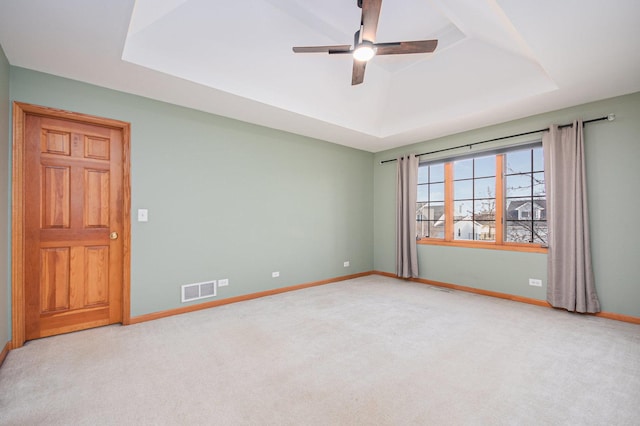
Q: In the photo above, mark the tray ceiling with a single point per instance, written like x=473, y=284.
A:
x=496, y=61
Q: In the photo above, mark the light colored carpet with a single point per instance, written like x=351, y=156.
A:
x=369, y=351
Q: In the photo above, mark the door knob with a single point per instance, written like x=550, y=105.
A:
x=113, y=236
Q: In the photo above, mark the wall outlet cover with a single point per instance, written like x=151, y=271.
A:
x=534, y=282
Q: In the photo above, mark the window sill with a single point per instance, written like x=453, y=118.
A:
x=529, y=248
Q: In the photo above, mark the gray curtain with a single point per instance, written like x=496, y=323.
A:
x=407, y=196
x=570, y=281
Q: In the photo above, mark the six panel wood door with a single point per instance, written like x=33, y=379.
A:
x=73, y=222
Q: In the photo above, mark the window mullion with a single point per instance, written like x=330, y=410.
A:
x=500, y=204
x=448, y=201
x=533, y=209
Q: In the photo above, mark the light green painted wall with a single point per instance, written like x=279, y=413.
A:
x=612, y=152
x=5, y=170
x=226, y=199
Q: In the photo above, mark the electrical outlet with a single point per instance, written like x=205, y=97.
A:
x=534, y=282
x=223, y=282
x=275, y=274
x=346, y=264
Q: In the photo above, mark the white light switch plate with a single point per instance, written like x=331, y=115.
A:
x=143, y=215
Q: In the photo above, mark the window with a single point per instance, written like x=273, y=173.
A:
x=526, y=205
x=430, y=209
x=474, y=199
x=494, y=201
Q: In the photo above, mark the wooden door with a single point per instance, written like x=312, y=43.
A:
x=74, y=225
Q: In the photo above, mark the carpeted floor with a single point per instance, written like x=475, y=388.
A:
x=369, y=351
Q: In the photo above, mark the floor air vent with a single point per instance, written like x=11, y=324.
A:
x=198, y=291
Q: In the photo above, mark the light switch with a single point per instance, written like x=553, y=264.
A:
x=143, y=215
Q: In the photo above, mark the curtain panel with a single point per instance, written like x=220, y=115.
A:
x=407, y=197
x=570, y=279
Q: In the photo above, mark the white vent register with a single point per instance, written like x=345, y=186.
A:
x=197, y=291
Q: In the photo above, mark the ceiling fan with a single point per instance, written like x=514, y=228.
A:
x=364, y=44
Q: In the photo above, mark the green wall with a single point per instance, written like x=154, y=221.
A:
x=612, y=153
x=232, y=200
x=5, y=170
x=226, y=199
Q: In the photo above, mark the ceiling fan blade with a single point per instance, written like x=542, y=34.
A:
x=340, y=52
x=403, y=47
x=370, y=15
x=357, y=76
x=323, y=49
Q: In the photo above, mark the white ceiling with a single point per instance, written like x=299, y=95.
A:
x=497, y=60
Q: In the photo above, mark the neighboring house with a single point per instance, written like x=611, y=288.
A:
x=487, y=223
x=430, y=221
x=526, y=210
x=468, y=229
x=430, y=212
x=527, y=221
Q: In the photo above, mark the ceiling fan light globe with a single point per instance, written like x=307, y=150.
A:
x=364, y=52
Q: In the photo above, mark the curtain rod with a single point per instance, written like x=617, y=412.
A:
x=609, y=117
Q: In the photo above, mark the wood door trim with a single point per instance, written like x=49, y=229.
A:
x=20, y=111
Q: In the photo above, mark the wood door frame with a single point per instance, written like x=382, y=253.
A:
x=20, y=111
